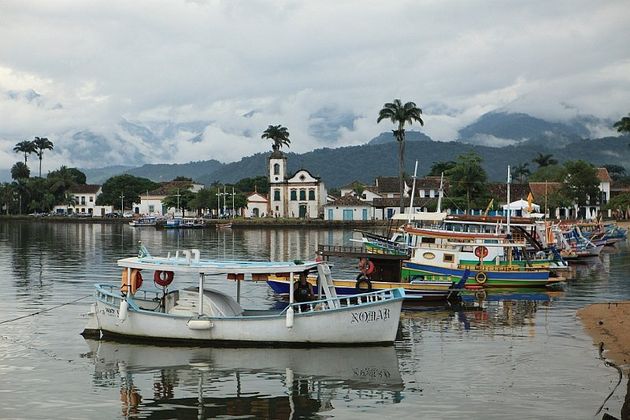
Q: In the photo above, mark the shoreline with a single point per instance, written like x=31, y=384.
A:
x=607, y=326
x=215, y=223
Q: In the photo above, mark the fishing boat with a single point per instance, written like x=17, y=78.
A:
x=201, y=315
x=145, y=221
x=379, y=270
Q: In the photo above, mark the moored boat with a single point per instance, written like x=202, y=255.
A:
x=197, y=314
x=379, y=270
x=144, y=221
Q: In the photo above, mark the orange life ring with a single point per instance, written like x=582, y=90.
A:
x=367, y=268
x=135, y=284
x=163, y=278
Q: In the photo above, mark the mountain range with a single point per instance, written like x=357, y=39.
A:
x=498, y=137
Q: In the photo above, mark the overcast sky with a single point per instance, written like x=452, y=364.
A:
x=321, y=68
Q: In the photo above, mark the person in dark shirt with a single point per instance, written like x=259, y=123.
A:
x=303, y=291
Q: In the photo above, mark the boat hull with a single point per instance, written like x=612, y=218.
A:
x=426, y=290
x=370, y=323
x=533, y=278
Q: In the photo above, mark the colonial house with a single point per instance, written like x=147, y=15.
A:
x=151, y=202
x=542, y=190
x=84, y=202
x=348, y=207
x=299, y=195
x=386, y=195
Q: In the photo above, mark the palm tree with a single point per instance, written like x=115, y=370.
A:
x=27, y=147
x=400, y=114
x=623, y=125
x=278, y=134
x=20, y=171
x=544, y=160
x=521, y=172
x=41, y=144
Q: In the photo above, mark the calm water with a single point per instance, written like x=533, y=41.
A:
x=522, y=355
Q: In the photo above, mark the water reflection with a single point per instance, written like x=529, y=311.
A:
x=182, y=382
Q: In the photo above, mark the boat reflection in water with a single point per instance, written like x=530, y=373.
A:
x=183, y=382
x=483, y=309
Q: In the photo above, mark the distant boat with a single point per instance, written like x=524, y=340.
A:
x=224, y=225
x=144, y=221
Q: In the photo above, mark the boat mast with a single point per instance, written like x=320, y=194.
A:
x=509, y=210
x=440, y=193
x=413, y=192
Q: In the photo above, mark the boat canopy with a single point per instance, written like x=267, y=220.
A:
x=189, y=261
x=423, y=215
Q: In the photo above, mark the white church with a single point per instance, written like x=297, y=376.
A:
x=300, y=195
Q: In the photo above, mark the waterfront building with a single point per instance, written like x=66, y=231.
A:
x=83, y=202
x=151, y=203
x=348, y=208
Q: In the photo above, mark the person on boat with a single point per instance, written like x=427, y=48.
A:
x=303, y=291
x=366, y=267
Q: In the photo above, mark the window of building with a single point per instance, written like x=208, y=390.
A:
x=151, y=208
x=302, y=194
x=293, y=195
x=276, y=169
x=276, y=195
x=448, y=258
x=83, y=200
x=91, y=199
x=311, y=195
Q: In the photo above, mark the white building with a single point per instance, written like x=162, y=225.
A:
x=348, y=208
x=299, y=195
x=151, y=202
x=257, y=205
x=84, y=197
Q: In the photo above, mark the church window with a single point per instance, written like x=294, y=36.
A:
x=276, y=169
x=302, y=194
x=293, y=195
x=311, y=195
x=276, y=195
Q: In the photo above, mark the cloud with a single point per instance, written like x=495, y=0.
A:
x=322, y=69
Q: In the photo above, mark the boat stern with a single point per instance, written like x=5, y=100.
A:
x=92, y=328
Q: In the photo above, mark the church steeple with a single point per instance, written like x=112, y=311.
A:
x=277, y=167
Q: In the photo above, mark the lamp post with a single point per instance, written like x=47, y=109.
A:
x=122, y=203
x=218, y=201
x=233, y=214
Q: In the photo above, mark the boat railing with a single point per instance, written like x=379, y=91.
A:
x=344, y=250
x=346, y=301
x=111, y=294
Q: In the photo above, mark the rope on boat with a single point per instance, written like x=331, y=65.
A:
x=608, y=363
x=44, y=310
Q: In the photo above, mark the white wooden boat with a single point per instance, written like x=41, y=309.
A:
x=145, y=221
x=197, y=314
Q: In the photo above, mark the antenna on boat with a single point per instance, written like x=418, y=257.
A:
x=413, y=192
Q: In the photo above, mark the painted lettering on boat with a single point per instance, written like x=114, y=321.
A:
x=370, y=316
x=370, y=372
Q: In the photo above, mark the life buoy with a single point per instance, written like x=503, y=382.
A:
x=135, y=284
x=367, y=267
x=163, y=278
x=481, y=277
x=363, y=283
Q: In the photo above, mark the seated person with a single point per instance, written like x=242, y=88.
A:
x=303, y=291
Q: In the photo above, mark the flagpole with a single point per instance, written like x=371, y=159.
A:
x=509, y=179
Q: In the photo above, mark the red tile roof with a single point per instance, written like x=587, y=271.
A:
x=603, y=176
x=348, y=200
x=539, y=189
